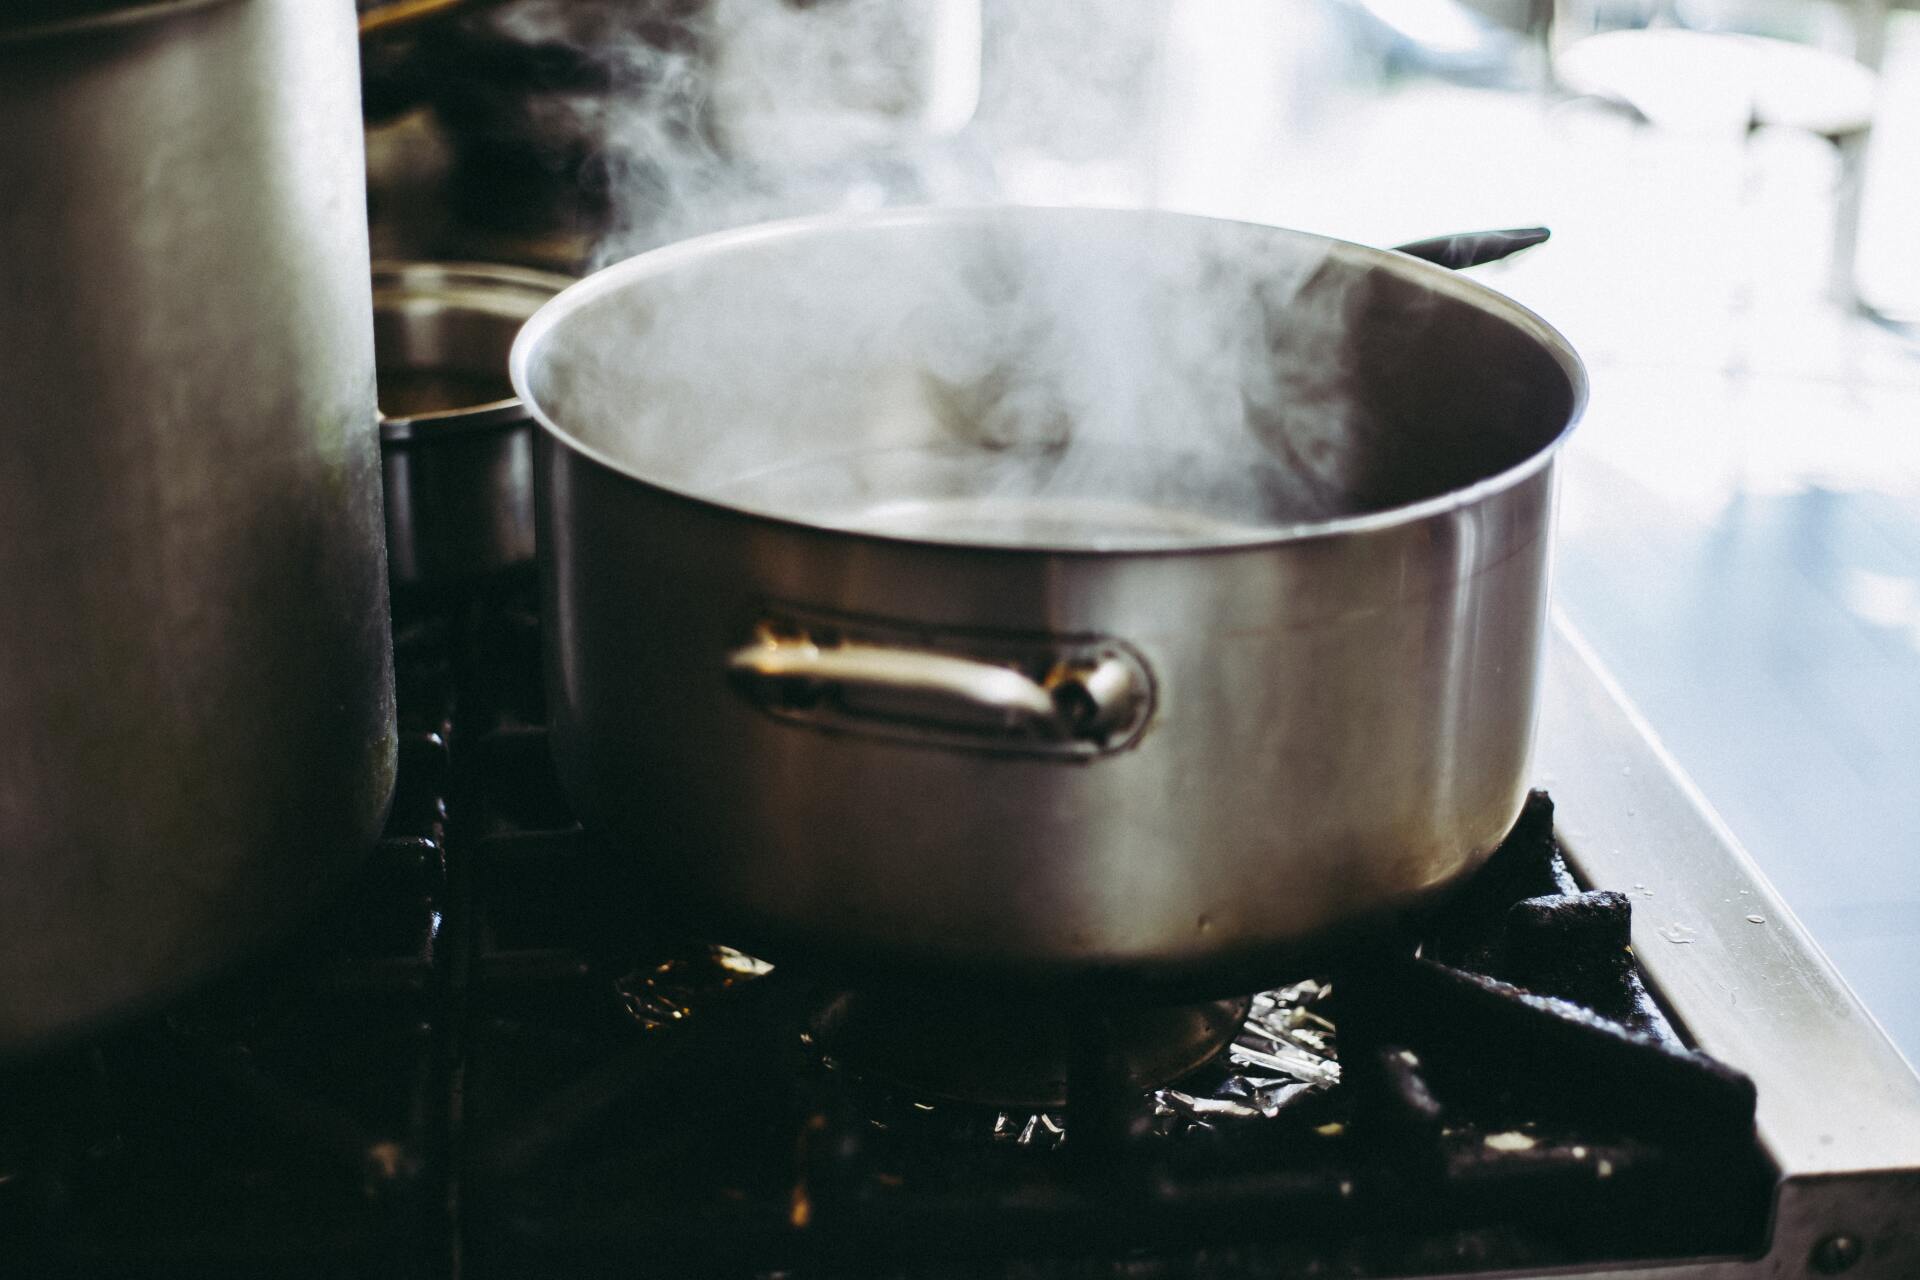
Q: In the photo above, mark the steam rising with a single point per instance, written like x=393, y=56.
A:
x=721, y=113
x=1090, y=378
x=1075, y=377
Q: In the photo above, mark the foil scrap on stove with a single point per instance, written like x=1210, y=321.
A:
x=671, y=990
x=1283, y=1053
x=1041, y=1130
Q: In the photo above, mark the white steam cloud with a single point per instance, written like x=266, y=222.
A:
x=1083, y=378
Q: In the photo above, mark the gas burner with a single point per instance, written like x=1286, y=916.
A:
x=1013, y=1054
x=1279, y=1054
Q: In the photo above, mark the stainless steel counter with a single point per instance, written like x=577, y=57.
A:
x=1839, y=1108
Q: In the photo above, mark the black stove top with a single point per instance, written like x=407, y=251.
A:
x=477, y=1065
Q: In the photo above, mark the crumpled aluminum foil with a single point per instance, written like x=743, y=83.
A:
x=1283, y=1053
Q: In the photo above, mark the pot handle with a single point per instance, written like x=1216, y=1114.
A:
x=1474, y=248
x=1086, y=700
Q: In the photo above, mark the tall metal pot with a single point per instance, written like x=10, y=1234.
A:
x=846, y=689
x=196, y=707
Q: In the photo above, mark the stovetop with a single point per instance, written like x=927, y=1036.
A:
x=479, y=1064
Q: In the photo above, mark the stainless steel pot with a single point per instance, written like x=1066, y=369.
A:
x=456, y=444
x=196, y=710
x=881, y=639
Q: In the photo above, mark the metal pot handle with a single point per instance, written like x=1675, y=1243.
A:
x=1082, y=702
x=1474, y=248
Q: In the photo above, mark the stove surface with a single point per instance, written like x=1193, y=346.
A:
x=1838, y=1108
x=478, y=1065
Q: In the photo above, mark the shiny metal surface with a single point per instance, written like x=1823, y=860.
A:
x=196, y=712
x=1342, y=708
x=1102, y=699
x=458, y=471
x=998, y=692
x=1839, y=1108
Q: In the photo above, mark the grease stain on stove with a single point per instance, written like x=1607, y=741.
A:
x=1678, y=934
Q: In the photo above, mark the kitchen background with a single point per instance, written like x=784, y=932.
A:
x=1740, y=530
x=514, y=1040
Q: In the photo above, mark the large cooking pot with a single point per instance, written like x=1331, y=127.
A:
x=196, y=706
x=1044, y=594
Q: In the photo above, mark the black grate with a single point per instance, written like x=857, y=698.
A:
x=477, y=1065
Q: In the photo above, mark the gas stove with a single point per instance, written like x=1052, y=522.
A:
x=1617, y=1052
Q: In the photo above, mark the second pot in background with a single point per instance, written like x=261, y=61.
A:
x=454, y=439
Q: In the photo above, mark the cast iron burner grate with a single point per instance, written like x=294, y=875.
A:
x=477, y=1065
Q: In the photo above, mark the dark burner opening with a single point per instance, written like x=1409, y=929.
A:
x=1018, y=1054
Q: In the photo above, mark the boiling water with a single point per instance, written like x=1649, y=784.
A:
x=1045, y=522
x=1079, y=500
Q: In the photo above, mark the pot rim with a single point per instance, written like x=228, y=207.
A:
x=515, y=292
x=658, y=261
x=56, y=19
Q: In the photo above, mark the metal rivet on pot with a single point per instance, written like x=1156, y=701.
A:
x=1835, y=1254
